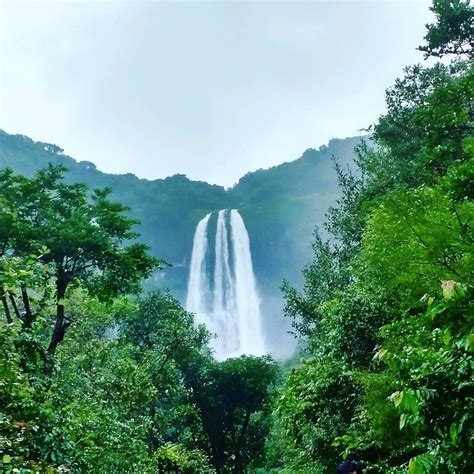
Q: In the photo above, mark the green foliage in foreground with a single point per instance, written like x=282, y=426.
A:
x=93, y=380
x=79, y=240
x=387, y=307
x=118, y=402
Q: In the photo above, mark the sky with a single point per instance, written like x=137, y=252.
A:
x=212, y=90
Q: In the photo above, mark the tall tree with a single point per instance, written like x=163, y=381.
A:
x=404, y=224
x=80, y=238
x=233, y=398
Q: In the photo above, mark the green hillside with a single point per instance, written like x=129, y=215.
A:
x=167, y=209
x=280, y=207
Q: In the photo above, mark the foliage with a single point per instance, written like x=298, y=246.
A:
x=173, y=458
x=453, y=32
x=404, y=224
x=415, y=239
x=122, y=396
x=410, y=153
x=430, y=359
x=80, y=240
x=315, y=407
x=233, y=399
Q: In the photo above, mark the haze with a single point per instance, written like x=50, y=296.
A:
x=211, y=90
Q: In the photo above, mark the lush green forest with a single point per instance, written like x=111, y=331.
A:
x=97, y=375
x=280, y=206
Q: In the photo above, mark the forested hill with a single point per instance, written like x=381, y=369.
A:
x=280, y=205
x=168, y=209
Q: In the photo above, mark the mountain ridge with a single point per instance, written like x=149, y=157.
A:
x=280, y=205
x=89, y=165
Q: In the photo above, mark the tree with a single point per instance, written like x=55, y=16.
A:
x=118, y=403
x=80, y=239
x=160, y=323
x=404, y=223
x=416, y=239
x=233, y=398
x=316, y=406
x=418, y=406
x=453, y=32
x=429, y=115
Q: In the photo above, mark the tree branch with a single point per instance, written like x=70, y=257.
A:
x=14, y=305
x=28, y=320
x=6, y=309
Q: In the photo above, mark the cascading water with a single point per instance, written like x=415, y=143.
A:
x=198, y=286
x=246, y=296
x=228, y=303
x=224, y=313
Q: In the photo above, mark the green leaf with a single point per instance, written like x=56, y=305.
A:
x=466, y=342
x=397, y=398
x=403, y=420
x=6, y=459
x=421, y=464
x=453, y=433
x=380, y=354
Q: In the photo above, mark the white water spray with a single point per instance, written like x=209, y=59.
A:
x=230, y=307
x=247, y=301
x=198, y=286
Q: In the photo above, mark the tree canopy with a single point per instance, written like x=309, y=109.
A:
x=386, y=308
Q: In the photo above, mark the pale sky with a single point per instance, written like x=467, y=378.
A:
x=212, y=90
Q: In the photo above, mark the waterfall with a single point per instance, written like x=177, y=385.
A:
x=226, y=301
x=198, y=286
x=246, y=297
x=223, y=313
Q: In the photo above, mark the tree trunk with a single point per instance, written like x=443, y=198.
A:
x=6, y=309
x=238, y=468
x=14, y=305
x=59, y=326
x=28, y=319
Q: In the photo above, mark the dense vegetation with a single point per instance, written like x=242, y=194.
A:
x=93, y=380
x=97, y=376
x=387, y=306
x=280, y=207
